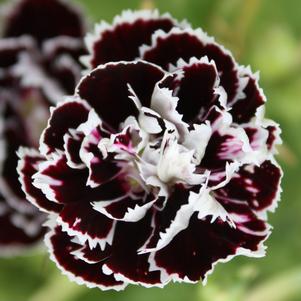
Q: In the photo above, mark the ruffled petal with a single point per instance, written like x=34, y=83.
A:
x=72, y=145
x=106, y=89
x=205, y=244
x=168, y=48
x=18, y=230
x=195, y=85
x=164, y=217
x=245, y=108
x=121, y=40
x=101, y=169
x=61, y=248
x=225, y=147
x=258, y=186
x=80, y=220
x=13, y=134
x=125, y=262
x=67, y=115
x=27, y=167
x=43, y=20
x=11, y=48
x=64, y=185
x=128, y=208
x=61, y=61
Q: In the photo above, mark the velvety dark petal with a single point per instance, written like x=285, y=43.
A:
x=243, y=216
x=18, y=231
x=11, y=48
x=14, y=239
x=66, y=72
x=221, y=148
x=87, y=224
x=72, y=145
x=67, y=115
x=256, y=185
x=62, y=45
x=61, y=248
x=27, y=167
x=274, y=136
x=43, y=20
x=125, y=262
x=101, y=169
x=14, y=134
x=194, y=88
x=193, y=251
x=243, y=110
x=106, y=89
x=170, y=47
x=93, y=255
x=63, y=184
x=61, y=61
x=129, y=208
x=121, y=41
x=165, y=216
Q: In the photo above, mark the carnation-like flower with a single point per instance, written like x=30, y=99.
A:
x=161, y=164
x=39, y=50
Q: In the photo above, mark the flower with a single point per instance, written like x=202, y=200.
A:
x=161, y=163
x=39, y=52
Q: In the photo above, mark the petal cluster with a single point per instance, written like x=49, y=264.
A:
x=40, y=45
x=161, y=164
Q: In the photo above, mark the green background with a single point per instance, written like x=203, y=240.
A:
x=267, y=35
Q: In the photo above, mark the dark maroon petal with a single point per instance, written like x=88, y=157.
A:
x=253, y=134
x=13, y=239
x=43, y=20
x=194, y=250
x=256, y=185
x=11, y=48
x=106, y=89
x=125, y=262
x=87, y=224
x=61, y=60
x=27, y=167
x=243, y=216
x=101, y=169
x=214, y=116
x=72, y=145
x=195, y=88
x=274, y=136
x=67, y=115
x=244, y=109
x=165, y=216
x=62, y=45
x=62, y=248
x=128, y=209
x=63, y=184
x=94, y=255
x=220, y=150
x=121, y=41
x=170, y=47
x=18, y=231
x=14, y=134
x=66, y=72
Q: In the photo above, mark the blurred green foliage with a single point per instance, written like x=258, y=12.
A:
x=267, y=35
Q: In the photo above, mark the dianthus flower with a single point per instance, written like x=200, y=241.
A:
x=39, y=49
x=161, y=164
